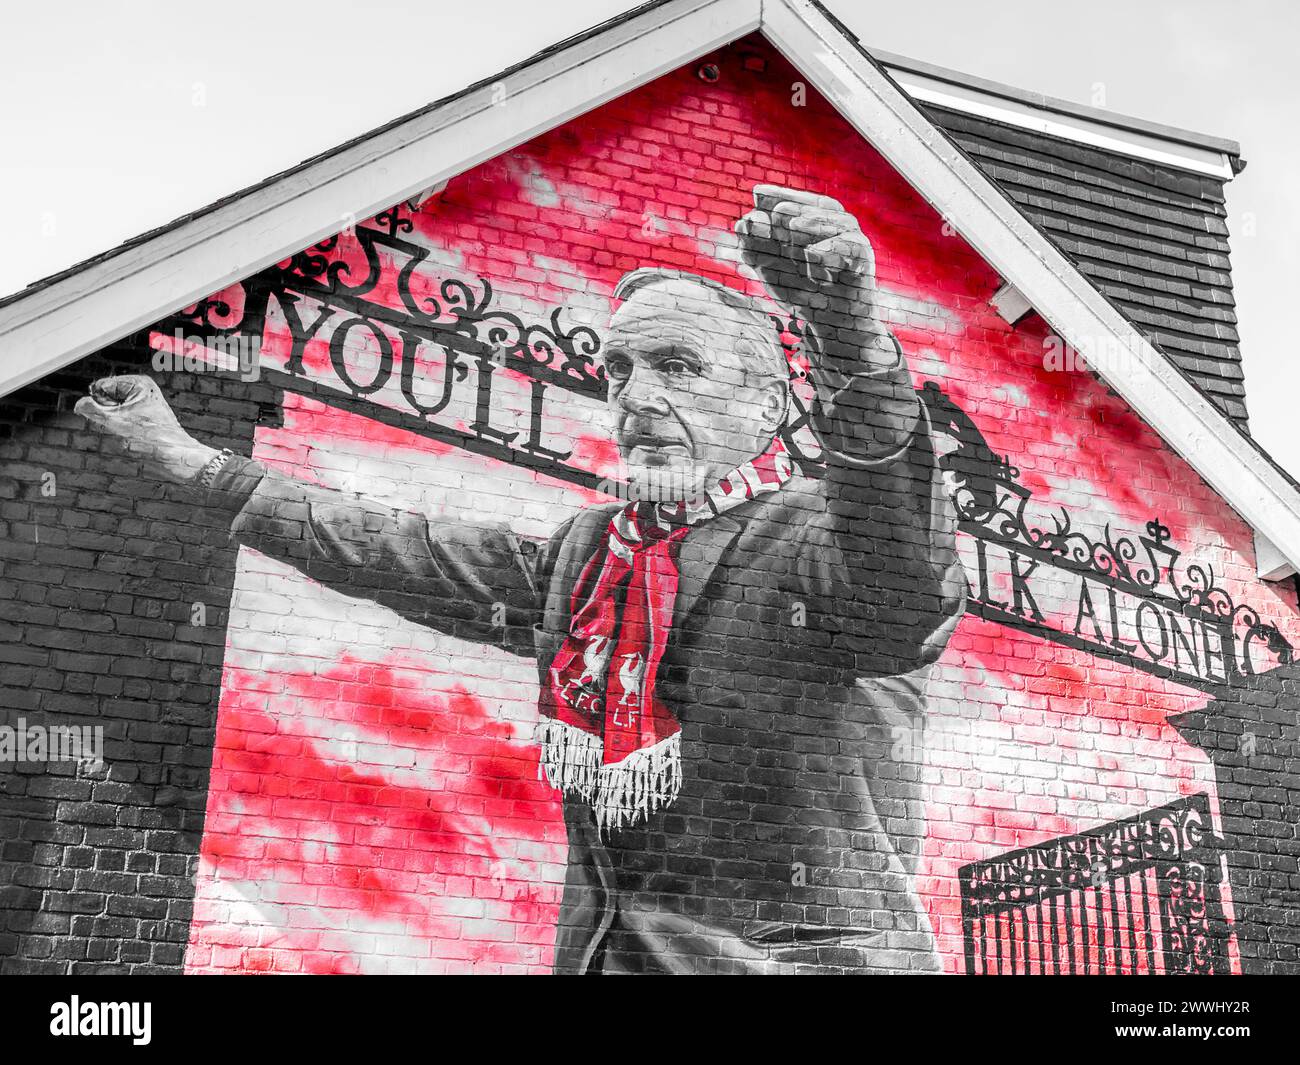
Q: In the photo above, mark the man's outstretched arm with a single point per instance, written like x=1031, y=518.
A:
x=470, y=581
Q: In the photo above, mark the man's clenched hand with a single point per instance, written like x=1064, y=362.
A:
x=131, y=409
x=804, y=246
x=813, y=257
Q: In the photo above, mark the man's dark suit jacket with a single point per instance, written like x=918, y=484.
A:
x=804, y=627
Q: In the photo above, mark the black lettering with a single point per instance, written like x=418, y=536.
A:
x=534, y=442
x=1188, y=643
x=300, y=333
x=1160, y=626
x=338, y=342
x=453, y=370
x=1087, y=610
x=482, y=425
x=1224, y=653
x=1020, y=589
x=1115, y=641
x=982, y=560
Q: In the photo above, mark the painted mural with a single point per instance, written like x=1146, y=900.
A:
x=660, y=557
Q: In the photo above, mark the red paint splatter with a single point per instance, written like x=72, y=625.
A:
x=348, y=845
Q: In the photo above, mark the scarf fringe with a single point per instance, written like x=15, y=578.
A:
x=641, y=784
x=621, y=794
x=571, y=758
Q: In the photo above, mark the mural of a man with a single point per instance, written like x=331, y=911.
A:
x=732, y=666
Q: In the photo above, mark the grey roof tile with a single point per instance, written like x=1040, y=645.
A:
x=1153, y=239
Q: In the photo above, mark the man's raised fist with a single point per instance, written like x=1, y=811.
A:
x=132, y=410
x=809, y=252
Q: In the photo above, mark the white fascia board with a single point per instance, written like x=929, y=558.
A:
x=987, y=219
x=1068, y=127
x=93, y=307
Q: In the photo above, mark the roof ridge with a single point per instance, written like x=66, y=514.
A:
x=1055, y=104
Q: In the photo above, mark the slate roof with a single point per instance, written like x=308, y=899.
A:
x=1153, y=238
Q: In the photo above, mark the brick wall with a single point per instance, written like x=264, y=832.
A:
x=101, y=568
x=324, y=777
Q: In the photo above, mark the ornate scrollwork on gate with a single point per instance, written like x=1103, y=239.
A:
x=1169, y=855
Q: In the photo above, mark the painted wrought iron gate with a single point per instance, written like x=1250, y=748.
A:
x=1137, y=896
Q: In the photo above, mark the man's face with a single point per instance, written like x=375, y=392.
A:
x=687, y=408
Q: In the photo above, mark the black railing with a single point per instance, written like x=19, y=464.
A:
x=1137, y=896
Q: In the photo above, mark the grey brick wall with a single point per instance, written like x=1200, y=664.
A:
x=97, y=586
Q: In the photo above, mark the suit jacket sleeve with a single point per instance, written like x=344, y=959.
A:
x=475, y=582
x=880, y=561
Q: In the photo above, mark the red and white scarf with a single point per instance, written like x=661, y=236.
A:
x=605, y=736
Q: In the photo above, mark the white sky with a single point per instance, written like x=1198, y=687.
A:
x=116, y=118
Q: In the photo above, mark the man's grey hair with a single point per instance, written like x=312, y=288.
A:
x=758, y=343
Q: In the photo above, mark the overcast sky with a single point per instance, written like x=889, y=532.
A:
x=118, y=117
